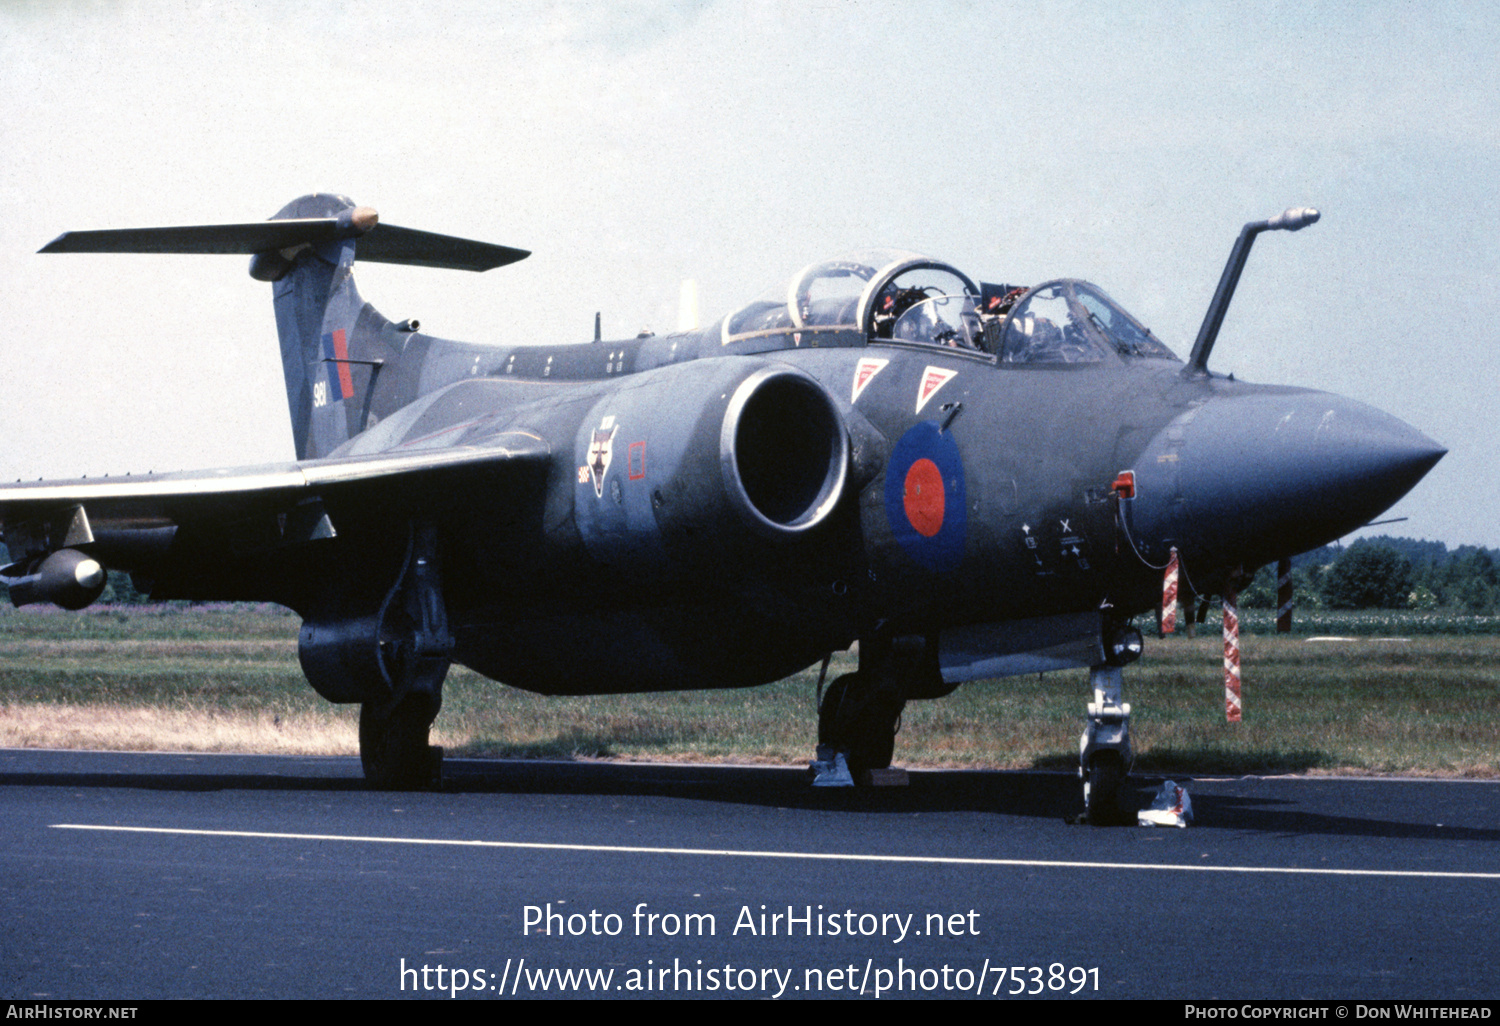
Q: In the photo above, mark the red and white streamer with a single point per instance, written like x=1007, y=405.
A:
x=1231, y=656
x=1169, y=597
x=1284, y=597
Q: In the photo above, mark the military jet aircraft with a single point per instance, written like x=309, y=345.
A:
x=970, y=479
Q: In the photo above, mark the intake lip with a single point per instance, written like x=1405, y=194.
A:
x=784, y=451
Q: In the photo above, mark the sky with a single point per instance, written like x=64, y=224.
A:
x=634, y=145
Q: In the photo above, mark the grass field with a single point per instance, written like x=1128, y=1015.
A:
x=227, y=679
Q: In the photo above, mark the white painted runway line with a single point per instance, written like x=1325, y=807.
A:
x=819, y=856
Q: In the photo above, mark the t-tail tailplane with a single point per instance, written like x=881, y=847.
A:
x=345, y=365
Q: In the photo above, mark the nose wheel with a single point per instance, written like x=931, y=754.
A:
x=1104, y=754
x=1101, y=789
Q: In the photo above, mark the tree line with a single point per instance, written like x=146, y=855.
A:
x=1387, y=573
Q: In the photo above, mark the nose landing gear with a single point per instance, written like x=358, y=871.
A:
x=1104, y=761
x=1104, y=755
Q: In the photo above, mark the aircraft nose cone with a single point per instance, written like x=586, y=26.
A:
x=1255, y=476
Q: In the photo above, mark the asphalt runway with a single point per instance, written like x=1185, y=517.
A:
x=139, y=876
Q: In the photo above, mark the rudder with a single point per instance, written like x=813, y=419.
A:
x=335, y=347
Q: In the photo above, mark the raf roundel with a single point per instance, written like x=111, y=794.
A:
x=924, y=496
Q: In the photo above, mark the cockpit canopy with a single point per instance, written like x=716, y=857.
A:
x=862, y=293
x=905, y=298
x=1070, y=321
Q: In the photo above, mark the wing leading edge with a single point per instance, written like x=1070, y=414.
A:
x=131, y=522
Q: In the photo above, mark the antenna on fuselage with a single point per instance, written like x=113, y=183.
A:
x=597, y=335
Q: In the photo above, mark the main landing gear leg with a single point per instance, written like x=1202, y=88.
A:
x=1104, y=755
x=856, y=728
x=415, y=649
x=860, y=714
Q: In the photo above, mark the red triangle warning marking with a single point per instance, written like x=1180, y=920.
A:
x=864, y=372
x=933, y=378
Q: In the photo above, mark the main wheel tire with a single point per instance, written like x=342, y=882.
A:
x=829, y=720
x=393, y=745
x=859, y=720
x=1102, y=802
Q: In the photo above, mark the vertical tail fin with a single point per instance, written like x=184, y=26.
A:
x=335, y=347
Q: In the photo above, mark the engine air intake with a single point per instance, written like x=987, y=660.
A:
x=784, y=451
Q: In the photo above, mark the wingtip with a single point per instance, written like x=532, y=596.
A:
x=511, y=256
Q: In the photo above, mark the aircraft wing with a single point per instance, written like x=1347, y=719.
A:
x=131, y=521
